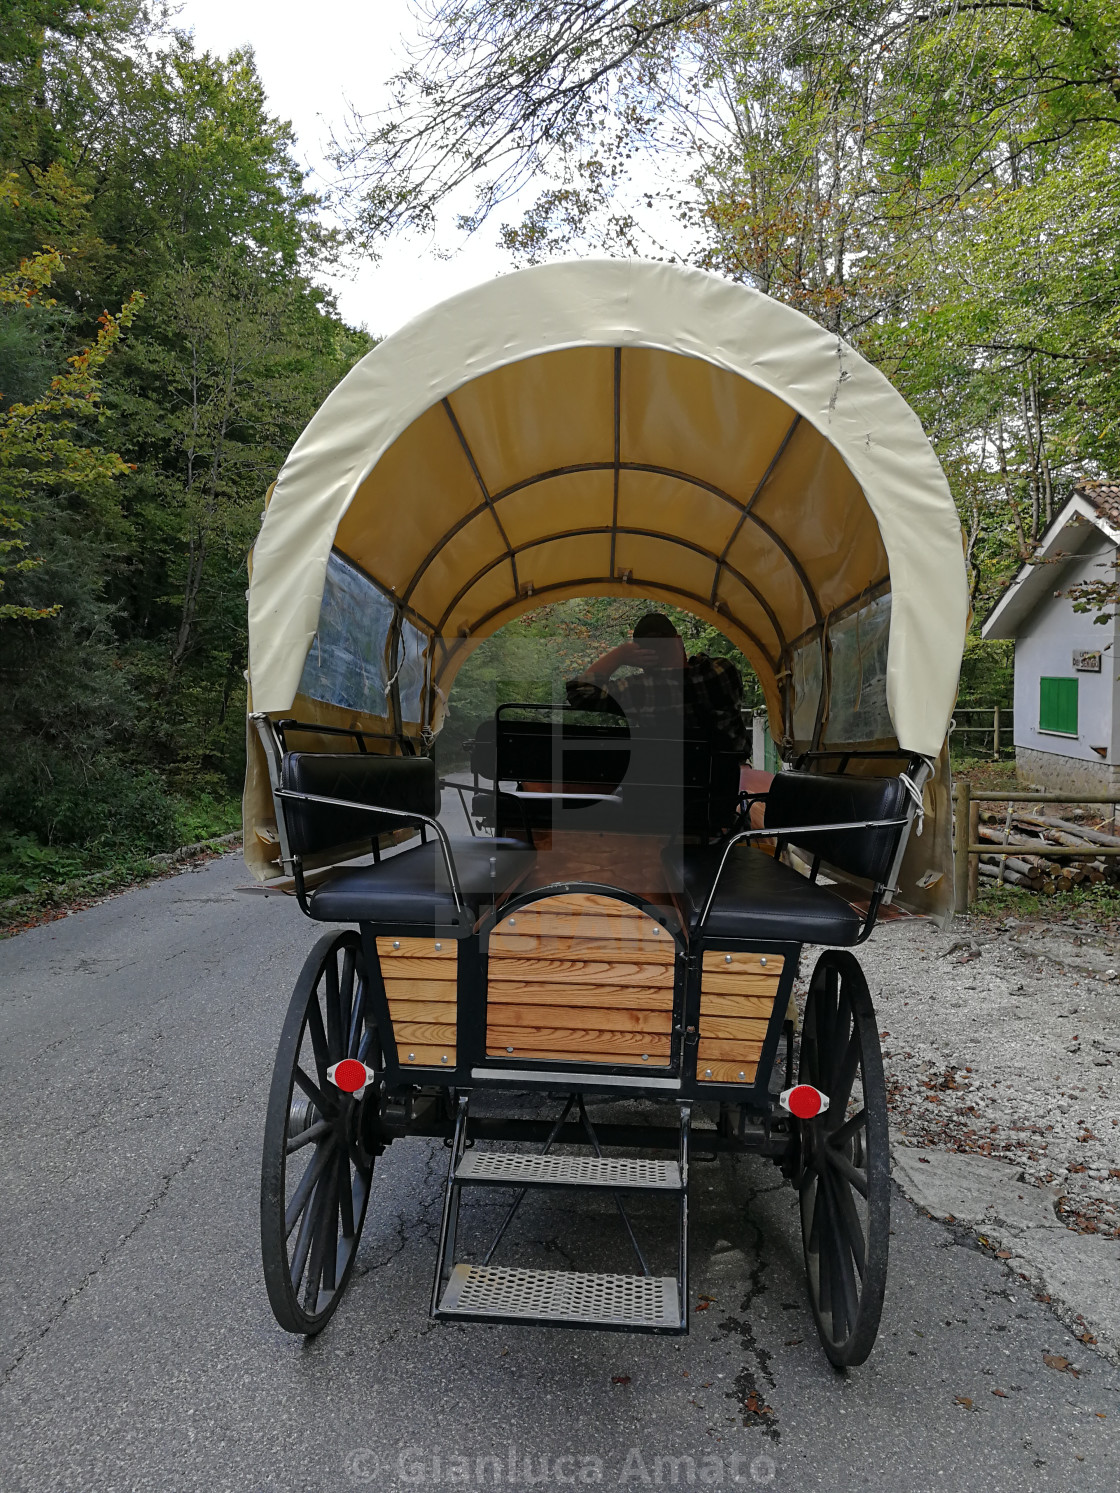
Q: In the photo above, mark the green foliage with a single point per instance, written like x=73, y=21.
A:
x=533, y=657
x=138, y=172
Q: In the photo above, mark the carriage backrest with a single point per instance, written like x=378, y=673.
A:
x=834, y=798
x=408, y=784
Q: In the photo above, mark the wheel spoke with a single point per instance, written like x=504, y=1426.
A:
x=851, y=1174
x=303, y=1244
x=325, y=1219
x=346, y=991
x=312, y=1091
x=843, y=1133
x=305, y=1137
x=848, y=1292
x=330, y=1229
x=345, y=1196
x=318, y=1038
x=849, y=1222
x=844, y=1072
x=306, y=1183
x=358, y=1017
x=334, y=1010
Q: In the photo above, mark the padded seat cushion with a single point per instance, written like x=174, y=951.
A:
x=759, y=897
x=412, y=886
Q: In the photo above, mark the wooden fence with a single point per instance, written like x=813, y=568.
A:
x=967, y=846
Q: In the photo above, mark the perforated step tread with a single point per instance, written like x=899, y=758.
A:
x=498, y=1168
x=563, y=1297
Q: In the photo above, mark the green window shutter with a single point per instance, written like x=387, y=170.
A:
x=1057, y=706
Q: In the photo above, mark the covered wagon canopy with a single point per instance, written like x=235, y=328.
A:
x=615, y=428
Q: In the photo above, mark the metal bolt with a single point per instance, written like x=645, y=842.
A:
x=439, y=946
x=727, y=959
x=645, y=1057
x=444, y=1060
x=509, y=1049
x=512, y=921
x=707, y=1073
x=763, y=959
x=396, y=943
x=412, y=1057
x=741, y=1075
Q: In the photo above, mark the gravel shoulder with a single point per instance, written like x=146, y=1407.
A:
x=1002, y=1050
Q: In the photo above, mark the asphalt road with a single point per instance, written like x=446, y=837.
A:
x=137, y=1350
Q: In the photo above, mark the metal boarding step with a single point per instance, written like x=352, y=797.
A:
x=567, y=1297
x=628, y=1174
x=490, y=1293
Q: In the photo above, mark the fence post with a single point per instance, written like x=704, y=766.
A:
x=995, y=732
x=973, y=839
x=962, y=814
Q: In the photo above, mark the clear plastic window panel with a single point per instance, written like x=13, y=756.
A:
x=346, y=662
x=410, y=678
x=806, y=672
x=857, y=707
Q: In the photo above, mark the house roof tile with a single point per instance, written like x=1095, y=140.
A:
x=1105, y=498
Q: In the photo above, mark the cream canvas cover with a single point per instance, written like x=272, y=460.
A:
x=624, y=427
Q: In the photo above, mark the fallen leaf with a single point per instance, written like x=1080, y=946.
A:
x=1086, y=1337
x=1003, y=1254
x=999, y=1394
x=792, y=1342
x=963, y=1400
x=1063, y=1365
x=925, y=1161
x=620, y=1379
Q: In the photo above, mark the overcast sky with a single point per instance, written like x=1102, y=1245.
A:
x=314, y=59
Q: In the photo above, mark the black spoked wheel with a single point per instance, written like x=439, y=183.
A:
x=316, y=1169
x=844, y=1180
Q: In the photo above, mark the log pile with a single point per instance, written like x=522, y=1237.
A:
x=1046, y=874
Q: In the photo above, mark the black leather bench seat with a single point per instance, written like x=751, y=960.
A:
x=412, y=886
x=761, y=898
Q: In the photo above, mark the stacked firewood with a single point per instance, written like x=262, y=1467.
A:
x=1046, y=874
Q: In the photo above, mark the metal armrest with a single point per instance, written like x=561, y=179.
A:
x=409, y=815
x=786, y=832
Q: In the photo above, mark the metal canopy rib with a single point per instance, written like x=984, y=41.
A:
x=626, y=466
x=488, y=502
x=612, y=531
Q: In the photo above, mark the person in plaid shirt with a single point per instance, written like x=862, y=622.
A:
x=702, y=693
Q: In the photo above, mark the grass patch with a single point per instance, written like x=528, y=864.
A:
x=1099, y=902
x=38, y=875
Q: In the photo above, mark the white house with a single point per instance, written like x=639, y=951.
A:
x=1067, y=667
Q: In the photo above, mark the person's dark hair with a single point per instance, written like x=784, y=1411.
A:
x=655, y=625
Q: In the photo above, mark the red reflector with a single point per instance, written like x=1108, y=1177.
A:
x=804, y=1101
x=350, y=1076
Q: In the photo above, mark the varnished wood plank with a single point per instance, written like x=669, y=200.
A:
x=629, y=950
x=425, y=1032
x=562, y=1039
x=751, y=1030
x=727, y=1072
x=711, y=1049
x=547, y=993
x=731, y=982
x=736, y=1005
x=409, y=1010
x=736, y=959
x=417, y=948
x=416, y=971
x=593, y=971
x=618, y=1059
x=600, y=1018
x=419, y=1055
x=586, y=927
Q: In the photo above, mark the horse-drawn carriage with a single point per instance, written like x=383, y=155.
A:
x=620, y=923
